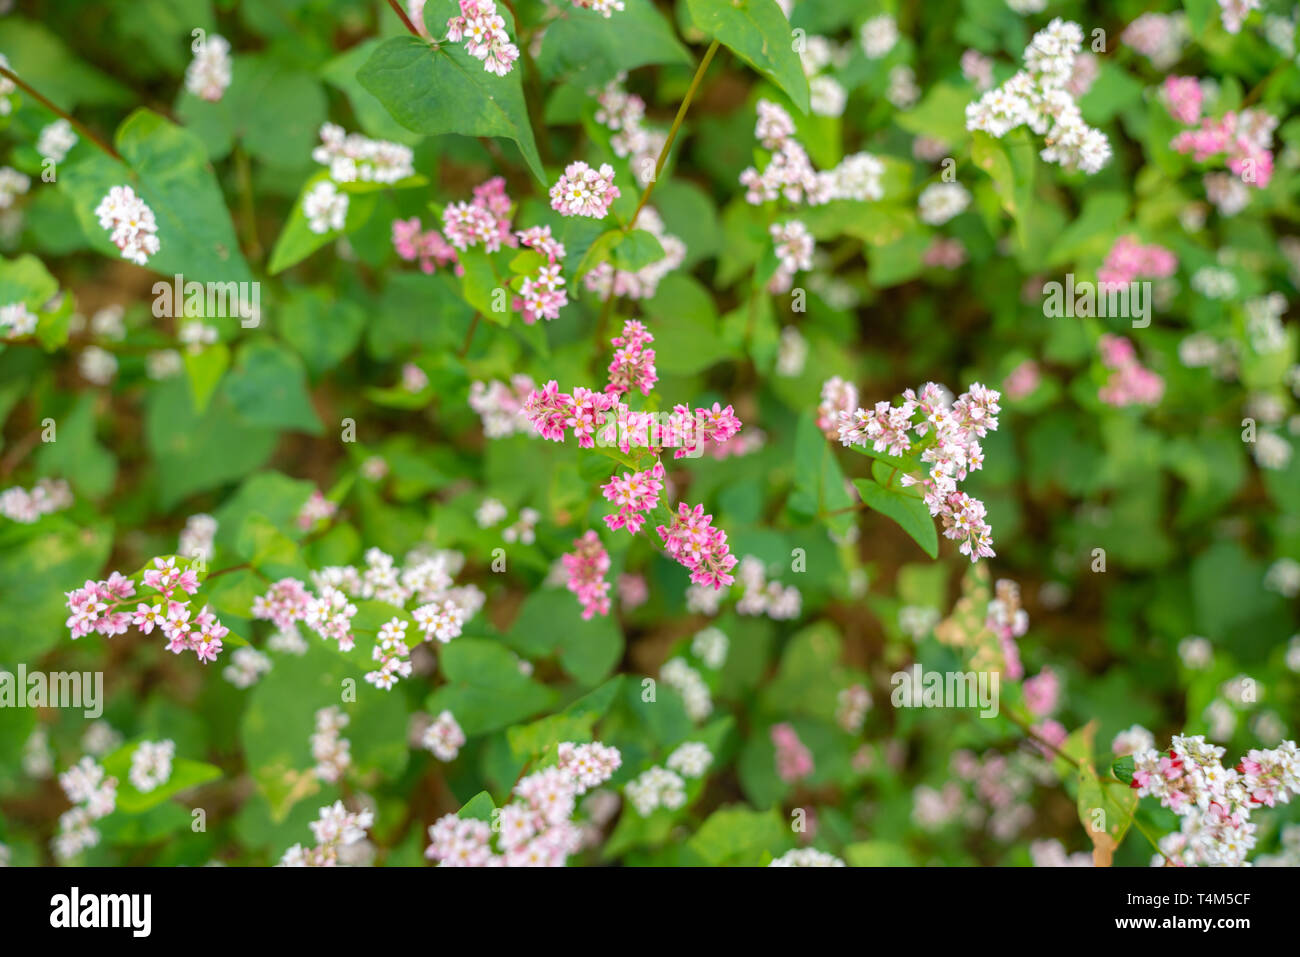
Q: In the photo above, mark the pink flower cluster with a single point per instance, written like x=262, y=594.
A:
x=485, y=36
x=636, y=494
x=413, y=243
x=1130, y=382
x=1215, y=802
x=485, y=219
x=317, y=508
x=1009, y=621
x=633, y=365
x=1246, y=138
x=949, y=437
x=794, y=761
x=98, y=606
x=1128, y=259
x=501, y=406
x=694, y=543
x=586, y=567
x=335, y=831
x=536, y=829
x=1022, y=380
x=1042, y=693
x=583, y=191
x=542, y=296
x=1184, y=98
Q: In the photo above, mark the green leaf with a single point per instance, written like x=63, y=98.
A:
x=637, y=250
x=818, y=481
x=905, y=509
x=442, y=89
x=1124, y=768
x=591, y=49
x=26, y=280
x=168, y=168
x=203, y=370
x=268, y=387
x=486, y=690
x=478, y=808
x=738, y=836
x=1011, y=165
x=877, y=854
x=758, y=32
x=550, y=623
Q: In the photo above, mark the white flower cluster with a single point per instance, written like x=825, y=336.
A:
x=686, y=681
x=95, y=796
x=710, y=646
x=794, y=253
x=1214, y=802
x=247, y=665
x=1037, y=97
x=878, y=35
x=852, y=705
x=490, y=512
x=332, y=751
x=350, y=158
x=501, y=406
x=12, y=185
x=47, y=495
x=940, y=202
x=130, y=223
x=353, y=158
x=806, y=857
x=762, y=597
x=790, y=174
x=444, y=737
x=1235, y=12
x=208, y=74
x=56, y=140
x=691, y=760
x=623, y=113
x=7, y=89
x=827, y=96
x=335, y=831
x=16, y=320
x=655, y=788
x=197, y=537
x=100, y=739
x=151, y=765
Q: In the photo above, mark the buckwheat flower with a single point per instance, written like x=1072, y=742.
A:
x=485, y=36
x=1184, y=97
x=55, y=140
x=524, y=530
x=1158, y=37
x=1272, y=451
x=46, y=496
x=586, y=567
x=588, y=765
x=151, y=764
x=852, y=705
x=636, y=495
x=443, y=620
x=837, y=396
x=583, y=191
x=692, y=541
x=902, y=91
x=247, y=665
x=1129, y=383
x=687, y=682
x=130, y=223
x=317, y=508
x=878, y=36
x=325, y=207
x=208, y=74
x=1283, y=577
x=330, y=616
x=977, y=69
x=940, y=202
x=16, y=320
x=633, y=365
x=100, y=739
x=12, y=185
x=1024, y=7
x=1228, y=193
x=710, y=646
x=794, y=761
x=806, y=857
x=1042, y=693
x=336, y=830
x=605, y=8
x=501, y=406
x=443, y=737
x=489, y=513
x=690, y=760
x=656, y=788
x=944, y=253
x=791, y=353
x=331, y=751
x=827, y=97
x=794, y=251
x=415, y=244
x=1235, y=12
x=351, y=157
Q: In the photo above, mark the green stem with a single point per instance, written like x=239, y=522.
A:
x=77, y=124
